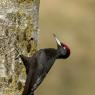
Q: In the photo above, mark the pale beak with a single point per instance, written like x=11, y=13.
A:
x=57, y=40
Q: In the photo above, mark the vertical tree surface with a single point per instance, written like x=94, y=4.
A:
x=18, y=23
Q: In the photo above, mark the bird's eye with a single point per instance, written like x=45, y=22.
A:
x=64, y=47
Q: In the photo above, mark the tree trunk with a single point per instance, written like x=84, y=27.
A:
x=18, y=23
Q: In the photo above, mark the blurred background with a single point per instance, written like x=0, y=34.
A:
x=73, y=21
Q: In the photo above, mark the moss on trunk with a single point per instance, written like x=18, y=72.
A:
x=18, y=23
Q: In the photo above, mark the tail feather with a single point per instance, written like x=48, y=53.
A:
x=29, y=83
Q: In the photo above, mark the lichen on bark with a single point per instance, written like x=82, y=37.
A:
x=18, y=23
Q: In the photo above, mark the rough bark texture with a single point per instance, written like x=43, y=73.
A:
x=18, y=23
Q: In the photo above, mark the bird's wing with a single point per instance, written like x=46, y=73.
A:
x=39, y=76
x=36, y=73
x=41, y=71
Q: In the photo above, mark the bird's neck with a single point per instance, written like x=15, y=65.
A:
x=53, y=53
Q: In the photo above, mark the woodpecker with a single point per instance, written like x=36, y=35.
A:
x=38, y=65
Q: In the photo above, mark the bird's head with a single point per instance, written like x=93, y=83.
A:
x=63, y=49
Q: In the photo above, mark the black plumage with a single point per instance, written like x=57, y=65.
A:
x=40, y=63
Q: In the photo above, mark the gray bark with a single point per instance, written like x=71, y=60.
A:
x=18, y=23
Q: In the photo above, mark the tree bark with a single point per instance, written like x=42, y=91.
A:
x=18, y=23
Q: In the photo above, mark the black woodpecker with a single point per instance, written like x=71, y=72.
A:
x=38, y=65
